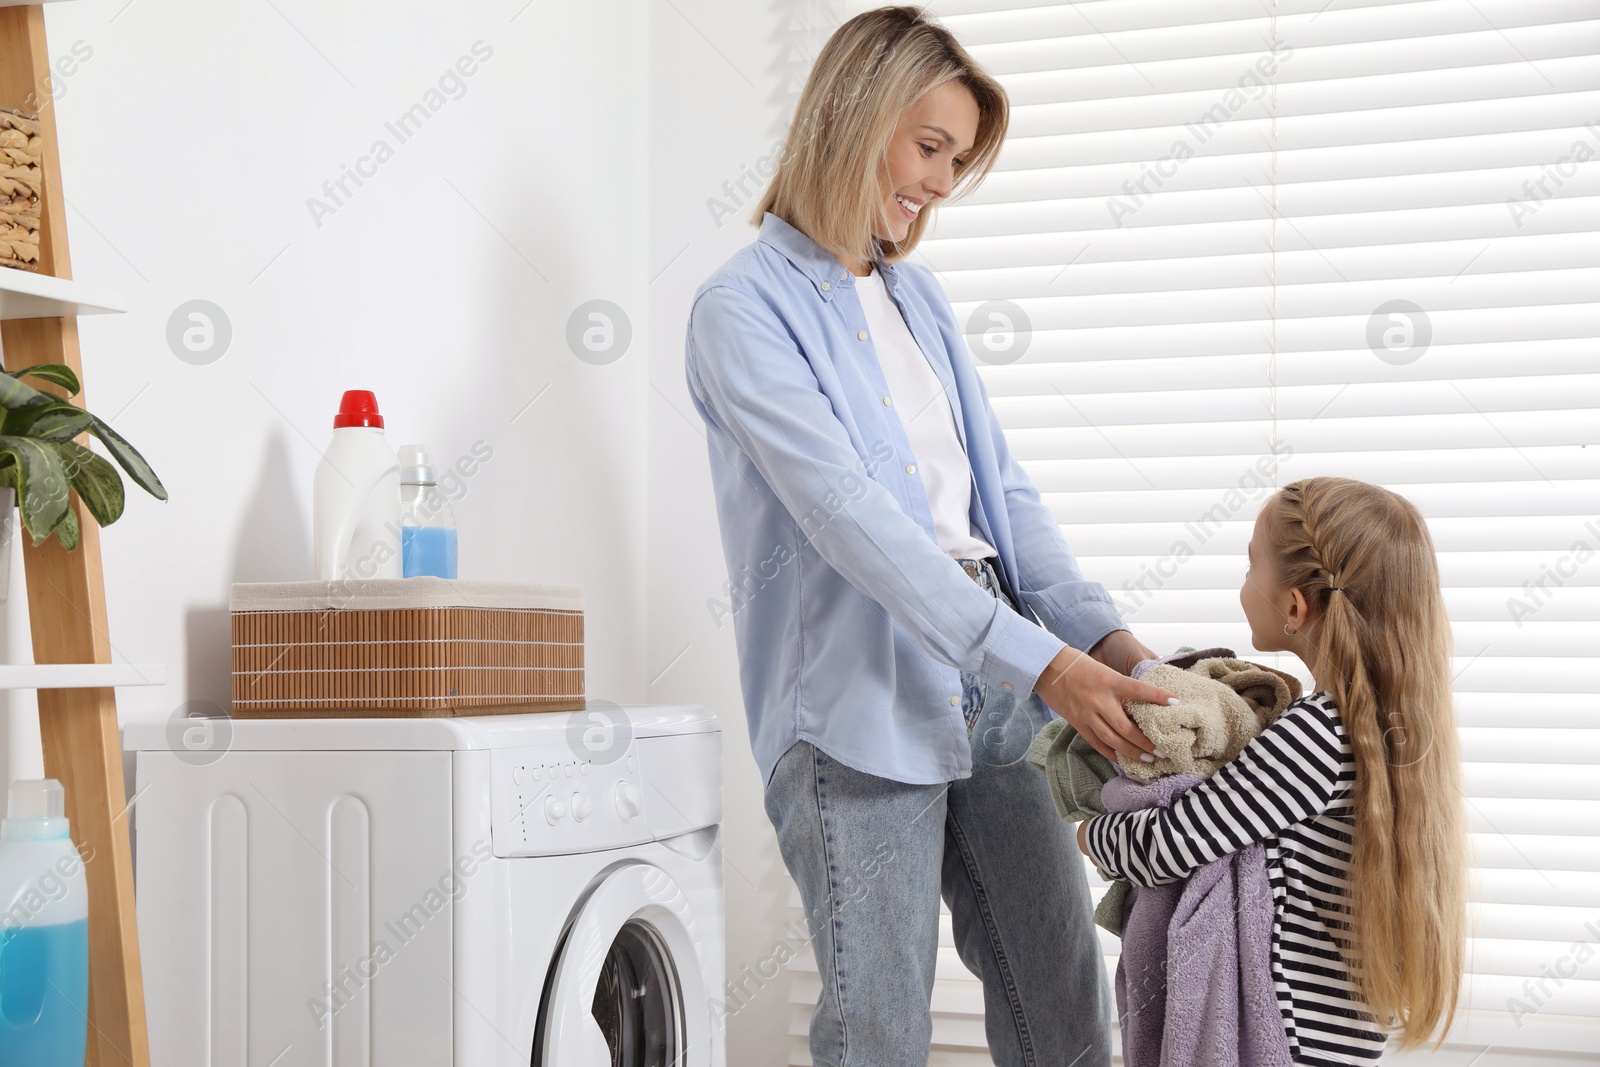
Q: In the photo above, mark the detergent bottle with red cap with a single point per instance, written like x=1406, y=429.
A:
x=355, y=506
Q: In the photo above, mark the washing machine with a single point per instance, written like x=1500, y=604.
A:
x=495, y=891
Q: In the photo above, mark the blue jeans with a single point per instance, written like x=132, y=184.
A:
x=872, y=857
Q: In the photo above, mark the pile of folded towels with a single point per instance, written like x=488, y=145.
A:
x=21, y=155
x=1193, y=980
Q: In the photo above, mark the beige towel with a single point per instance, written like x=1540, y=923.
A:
x=1226, y=702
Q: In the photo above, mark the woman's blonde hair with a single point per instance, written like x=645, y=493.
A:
x=1382, y=648
x=832, y=176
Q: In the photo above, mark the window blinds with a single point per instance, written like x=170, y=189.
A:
x=1232, y=243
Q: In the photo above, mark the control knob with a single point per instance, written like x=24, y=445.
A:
x=629, y=802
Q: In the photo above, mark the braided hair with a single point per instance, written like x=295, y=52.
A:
x=1382, y=650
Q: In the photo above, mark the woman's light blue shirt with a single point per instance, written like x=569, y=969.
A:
x=852, y=625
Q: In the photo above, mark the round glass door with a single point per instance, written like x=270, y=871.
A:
x=636, y=1001
x=626, y=990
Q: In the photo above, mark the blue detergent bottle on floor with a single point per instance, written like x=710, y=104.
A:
x=427, y=525
x=44, y=932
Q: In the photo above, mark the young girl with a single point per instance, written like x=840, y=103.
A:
x=1354, y=791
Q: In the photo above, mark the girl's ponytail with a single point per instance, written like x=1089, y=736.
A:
x=1363, y=557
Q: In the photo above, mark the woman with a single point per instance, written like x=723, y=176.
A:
x=886, y=553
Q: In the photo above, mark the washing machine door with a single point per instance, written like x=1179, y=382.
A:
x=627, y=988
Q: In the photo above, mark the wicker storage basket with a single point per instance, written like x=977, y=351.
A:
x=21, y=179
x=405, y=647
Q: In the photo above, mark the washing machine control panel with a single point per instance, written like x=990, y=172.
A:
x=583, y=797
x=550, y=800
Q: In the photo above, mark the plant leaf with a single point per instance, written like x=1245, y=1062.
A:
x=67, y=532
x=55, y=373
x=42, y=484
x=58, y=421
x=98, y=484
x=129, y=458
x=15, y=395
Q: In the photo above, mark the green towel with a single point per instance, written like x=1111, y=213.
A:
x=1075, y=772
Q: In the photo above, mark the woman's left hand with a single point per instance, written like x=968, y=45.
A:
x=1083, y=837
x=1121, y=651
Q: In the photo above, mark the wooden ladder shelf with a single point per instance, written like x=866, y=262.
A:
x=67, y=616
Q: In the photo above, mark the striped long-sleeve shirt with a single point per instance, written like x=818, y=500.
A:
x=1290, y=789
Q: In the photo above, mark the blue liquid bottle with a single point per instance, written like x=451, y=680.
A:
x=44, y=932
x=427, y=525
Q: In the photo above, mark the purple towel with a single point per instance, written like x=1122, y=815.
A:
x=1194, y=980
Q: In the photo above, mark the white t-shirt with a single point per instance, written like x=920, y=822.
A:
x=929, y=420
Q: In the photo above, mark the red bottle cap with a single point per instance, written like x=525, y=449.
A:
x=358, y=408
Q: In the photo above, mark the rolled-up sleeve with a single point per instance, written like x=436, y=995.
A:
x=749, y=373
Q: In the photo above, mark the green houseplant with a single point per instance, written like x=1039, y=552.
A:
x=40, y=462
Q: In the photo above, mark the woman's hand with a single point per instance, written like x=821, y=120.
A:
x=1089, y=695
x=1121, y=651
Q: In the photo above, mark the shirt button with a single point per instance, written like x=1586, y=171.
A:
x=862, y=336
x=911, y=468
x=825, y=287
x=954, y=701
x=887, y=402
x=1007, y=686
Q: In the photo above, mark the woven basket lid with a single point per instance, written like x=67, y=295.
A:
x=399, y=593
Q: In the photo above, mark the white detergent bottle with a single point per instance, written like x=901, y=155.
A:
x=44, y=932
x=355, y=506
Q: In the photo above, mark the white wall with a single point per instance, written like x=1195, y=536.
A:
x=193, y=138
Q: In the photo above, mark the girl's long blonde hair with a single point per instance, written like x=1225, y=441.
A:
x=1383, y=648
x=832, y=176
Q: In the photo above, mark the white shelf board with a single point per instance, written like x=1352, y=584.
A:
x=80, y=675
x=26, y=295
